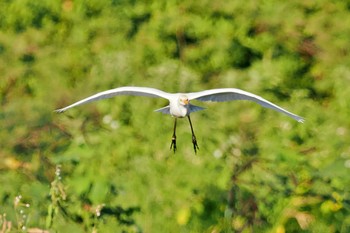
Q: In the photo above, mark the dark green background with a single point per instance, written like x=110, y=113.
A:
x=256, y=171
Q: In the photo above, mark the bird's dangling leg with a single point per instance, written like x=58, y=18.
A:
x=173, y=140
x=194, y=140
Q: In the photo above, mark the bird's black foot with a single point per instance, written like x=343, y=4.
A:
x=173, y=144
x=195, y=145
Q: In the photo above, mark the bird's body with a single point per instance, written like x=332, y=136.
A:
x=177, y=109
x=179, y=103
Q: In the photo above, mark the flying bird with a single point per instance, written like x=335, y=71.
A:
x=179, y=103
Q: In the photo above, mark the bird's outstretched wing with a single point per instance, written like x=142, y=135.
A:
x=139, y=91
x=228, y=94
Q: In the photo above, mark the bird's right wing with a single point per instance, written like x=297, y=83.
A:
x=164, y=110
x=137, y=91
x=228, y=94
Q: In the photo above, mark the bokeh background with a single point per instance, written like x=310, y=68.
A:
x=107, y=167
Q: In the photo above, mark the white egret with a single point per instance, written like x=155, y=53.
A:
x=179, y=103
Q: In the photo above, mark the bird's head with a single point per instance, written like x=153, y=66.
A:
x=184, y=100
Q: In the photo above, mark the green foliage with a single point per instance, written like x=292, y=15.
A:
x=107, y=167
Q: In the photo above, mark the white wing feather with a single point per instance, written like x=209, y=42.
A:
x=138, y=91
x=216, y=95
x=228, y=94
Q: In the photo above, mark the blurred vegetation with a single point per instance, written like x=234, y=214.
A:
x=107, y=167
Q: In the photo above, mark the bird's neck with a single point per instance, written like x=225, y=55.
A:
x=179, y=110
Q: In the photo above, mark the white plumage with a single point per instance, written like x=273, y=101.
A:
x=179, y=103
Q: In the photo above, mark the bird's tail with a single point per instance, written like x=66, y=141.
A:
x=166, y=109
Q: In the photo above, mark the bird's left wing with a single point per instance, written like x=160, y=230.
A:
x=228, y=94
x=139, y=91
